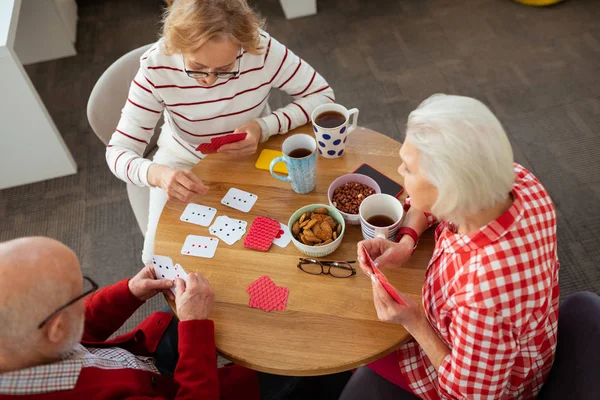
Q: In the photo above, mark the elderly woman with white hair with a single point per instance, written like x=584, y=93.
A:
x=487, y=325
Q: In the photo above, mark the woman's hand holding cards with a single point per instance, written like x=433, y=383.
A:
x=247, y=146
x=179, y=184
x=386, y=254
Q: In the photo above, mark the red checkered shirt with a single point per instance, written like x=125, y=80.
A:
x=492, y=297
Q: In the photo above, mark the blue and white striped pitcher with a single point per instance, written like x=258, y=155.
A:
x=302, y=171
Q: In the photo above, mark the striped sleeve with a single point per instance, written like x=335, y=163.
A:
x=139, y=116
x=297, y=78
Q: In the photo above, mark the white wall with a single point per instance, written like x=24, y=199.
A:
x=31, y=149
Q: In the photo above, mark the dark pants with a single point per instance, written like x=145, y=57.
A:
x=366, y=384
x=272, y=387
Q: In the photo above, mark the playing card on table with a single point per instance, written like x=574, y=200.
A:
x=198, y=214
x=200, y=246
x=284, y=237
x=262, y=233
x=228, y=229
x=239, y=199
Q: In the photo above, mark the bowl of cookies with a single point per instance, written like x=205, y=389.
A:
x=348, y=191
x=317, y=230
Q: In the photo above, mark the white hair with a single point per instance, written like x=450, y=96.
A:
x=464, y=152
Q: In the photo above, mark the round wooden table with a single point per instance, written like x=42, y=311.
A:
x=330, y=324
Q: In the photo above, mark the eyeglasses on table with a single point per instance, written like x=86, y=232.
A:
x=337, y=269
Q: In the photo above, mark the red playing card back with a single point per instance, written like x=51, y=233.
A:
x=223, y=140
x=381, y=278
x=217, y=142
x=261, y=234
x=207, y=148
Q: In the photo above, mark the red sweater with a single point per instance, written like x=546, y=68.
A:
x=196, y=375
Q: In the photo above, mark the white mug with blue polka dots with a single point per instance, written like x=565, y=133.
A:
x=331, y=142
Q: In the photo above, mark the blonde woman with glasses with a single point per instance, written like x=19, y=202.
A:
x=209, y=75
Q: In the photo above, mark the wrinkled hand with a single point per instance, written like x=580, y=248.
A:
x=144, y=285
x=390, y=311
x=179, y=184
x=384, y=253
x=247, y=146
x=194, y=298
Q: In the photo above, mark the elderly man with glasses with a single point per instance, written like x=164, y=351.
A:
x=54, y=344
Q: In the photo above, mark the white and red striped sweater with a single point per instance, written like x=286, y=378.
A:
x=195, y=113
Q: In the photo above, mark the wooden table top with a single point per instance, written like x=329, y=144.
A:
x=330, y=324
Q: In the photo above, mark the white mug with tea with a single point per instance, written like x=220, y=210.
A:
x=331, y=123
x=380, y=216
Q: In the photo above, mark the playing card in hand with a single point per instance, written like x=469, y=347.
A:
x=164, y=269
x=376, y=272
x=239, y=199
x=217, y=142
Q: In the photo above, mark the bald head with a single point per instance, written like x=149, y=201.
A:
x=38, y=275
x=32, y=261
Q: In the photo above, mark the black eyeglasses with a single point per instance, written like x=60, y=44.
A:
x=75, y=300
x=337, y=269
x=219, y=75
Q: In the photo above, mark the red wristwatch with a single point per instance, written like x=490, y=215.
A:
x=405, y=230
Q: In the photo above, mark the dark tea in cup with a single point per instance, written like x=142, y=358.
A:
x=380, y=221
x=330, y=119
x=300, y=153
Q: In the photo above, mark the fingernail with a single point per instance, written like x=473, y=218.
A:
x=169, y=284
x=360, y=259
x=376, y=264
x=373, y=279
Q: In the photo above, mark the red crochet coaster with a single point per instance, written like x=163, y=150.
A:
x=264, y=294
x=261, y=234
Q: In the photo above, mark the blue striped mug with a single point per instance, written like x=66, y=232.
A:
x=300, y=158
x=380, y=204
x=331, y=139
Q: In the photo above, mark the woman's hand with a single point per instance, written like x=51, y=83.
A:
x=384, y=253
x=179, y=184
x=390, y=311
x=247, y=146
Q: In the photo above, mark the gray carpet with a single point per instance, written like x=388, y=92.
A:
x=537, y=68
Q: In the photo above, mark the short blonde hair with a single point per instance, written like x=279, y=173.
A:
x=189, y=24
x=464, y=152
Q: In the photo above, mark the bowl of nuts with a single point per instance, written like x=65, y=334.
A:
x=348, y=191
x=317, y=230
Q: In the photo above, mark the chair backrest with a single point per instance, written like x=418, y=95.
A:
x=575, y=373
x=110, y=93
